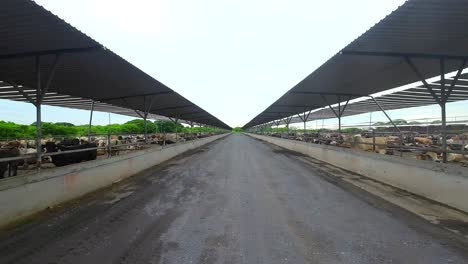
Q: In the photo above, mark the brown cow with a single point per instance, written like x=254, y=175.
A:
x=423, y=140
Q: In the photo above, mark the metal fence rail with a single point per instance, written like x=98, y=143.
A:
x=398, y=147
x=109, y=148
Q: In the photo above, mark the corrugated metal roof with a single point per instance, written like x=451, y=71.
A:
x=411, y=97
x=8, y=92
x=375, y=62
x=86, y=69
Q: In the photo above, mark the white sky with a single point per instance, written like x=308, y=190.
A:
x=232, y=58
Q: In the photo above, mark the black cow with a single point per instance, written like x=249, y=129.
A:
x=70, y=158
x=10, y=166
x=69, y=142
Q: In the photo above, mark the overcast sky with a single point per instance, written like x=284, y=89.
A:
x=232, y=58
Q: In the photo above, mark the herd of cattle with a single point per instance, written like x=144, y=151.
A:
x=78, y=149
x=417, y=146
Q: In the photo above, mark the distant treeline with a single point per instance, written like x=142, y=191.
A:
x=404, y=122
x=13, y=130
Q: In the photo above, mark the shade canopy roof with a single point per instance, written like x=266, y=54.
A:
x=412, y=97
x=420, y=32
x=85, y=69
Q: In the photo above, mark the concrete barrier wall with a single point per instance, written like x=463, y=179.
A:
x=24, y=195
x=444, y=183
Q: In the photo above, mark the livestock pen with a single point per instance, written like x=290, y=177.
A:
x=98, y=146
x=407, y=142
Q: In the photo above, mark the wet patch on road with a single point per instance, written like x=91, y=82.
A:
x=287, y=152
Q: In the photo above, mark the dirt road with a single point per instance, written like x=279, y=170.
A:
x=237, y=200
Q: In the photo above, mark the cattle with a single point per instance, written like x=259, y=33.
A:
x=366, y=144
x=70, y=158
x=68, y=142
x=31, y=159
x=10, y=166
x=171, y=138
x=437, y=157
x=423, y=140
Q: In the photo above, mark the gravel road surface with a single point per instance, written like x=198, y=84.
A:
x=236, y=200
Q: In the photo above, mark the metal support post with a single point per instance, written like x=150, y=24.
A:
x=444, y=132
x=304, y=118
x=340, y=112
x=443, y=97
x=175, y=122
x=339, y=117
x=443, y=104
x=145, y=119
x=109, y=148
x=144, y=116
x=41, y=90
x=90, y=121
x=373, y=140
x=38, y=114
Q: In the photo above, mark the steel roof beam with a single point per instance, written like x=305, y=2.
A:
x=326, y=93
x=403, y=55
x=51, y=52
x=172, y=108
x=136, y=95
x=294, y=106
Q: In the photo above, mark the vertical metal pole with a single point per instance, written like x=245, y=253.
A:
x=38, y=114
x=191, y=131
x=90, y=121
x=373, y=140
x=339, y=126
x=444, y=132
x=109, y=148
x=145, y=119
x=108, y=137
x=443, y=104
x=145, y=116
x=339, y=117
x=176, y=130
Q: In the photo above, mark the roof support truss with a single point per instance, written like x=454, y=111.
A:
x=385, y=113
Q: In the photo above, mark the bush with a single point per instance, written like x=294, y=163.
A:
x=13, y=130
